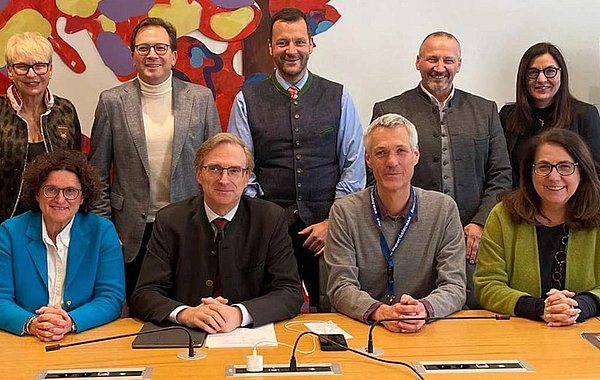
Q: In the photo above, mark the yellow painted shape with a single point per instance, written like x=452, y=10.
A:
x=26, y=20
x=80, y=8
x=108, y=25
x=229, y=24
x=184, y=16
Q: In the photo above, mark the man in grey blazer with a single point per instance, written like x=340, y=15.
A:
x=461, y=140
x=219, y=260
x=147, y=131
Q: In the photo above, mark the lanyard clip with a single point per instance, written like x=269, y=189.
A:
x=390, y=299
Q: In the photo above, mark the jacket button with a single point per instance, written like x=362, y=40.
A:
x=296, y=212
x=209, y=283
x=298, y=156
x=296, y=116
x=68, y=302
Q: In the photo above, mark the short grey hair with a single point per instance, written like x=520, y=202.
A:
x=392, y=120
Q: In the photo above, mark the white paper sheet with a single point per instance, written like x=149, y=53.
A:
x=326, y=328
x=243, y=337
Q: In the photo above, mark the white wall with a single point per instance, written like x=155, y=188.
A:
x=372, y=48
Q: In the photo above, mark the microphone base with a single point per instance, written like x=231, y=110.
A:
x=377, y=351
x=184, y=355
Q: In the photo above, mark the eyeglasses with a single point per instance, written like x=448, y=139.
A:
x=549, y=72
x=159, y=49
x=215, y=171
x=563, y=168
x=40, y=68
x=70, y=193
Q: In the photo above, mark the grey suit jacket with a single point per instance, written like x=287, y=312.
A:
x=481, y=166
x=118, y=140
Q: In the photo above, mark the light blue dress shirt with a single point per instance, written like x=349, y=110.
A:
x=350, y=147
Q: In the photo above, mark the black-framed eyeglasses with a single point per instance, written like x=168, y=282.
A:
x=563, y=168
x=70, y=193
x=549, y=72
x=40, y=68
x=159, y=49
x=216, y=171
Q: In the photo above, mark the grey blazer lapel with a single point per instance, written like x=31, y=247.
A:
x=132, y=105
x=183, y=102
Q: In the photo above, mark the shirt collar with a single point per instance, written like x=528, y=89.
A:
x=434, y=100
x=285, y=84
x=16, y=102
x=211, y=215
x=64, y=236
x=385, y=213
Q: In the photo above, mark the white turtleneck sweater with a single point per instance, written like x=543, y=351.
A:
x=159, y=124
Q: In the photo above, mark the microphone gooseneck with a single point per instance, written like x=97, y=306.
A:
x=498, y=317
x=191, y=351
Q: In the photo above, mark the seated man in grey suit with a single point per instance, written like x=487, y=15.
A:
x=463, y=146
x=220, y=260
x=394, y=250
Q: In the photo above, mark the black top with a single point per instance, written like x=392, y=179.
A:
x=585, y=121
x=549, y=240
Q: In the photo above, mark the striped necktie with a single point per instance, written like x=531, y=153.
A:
x=293, y=90
x=220, y=224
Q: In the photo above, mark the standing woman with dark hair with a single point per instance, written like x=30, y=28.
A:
x=544, y=102
x=32, y=120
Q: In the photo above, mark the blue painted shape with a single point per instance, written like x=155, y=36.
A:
x=197, y=56
x=114, y=53
x=119, y=10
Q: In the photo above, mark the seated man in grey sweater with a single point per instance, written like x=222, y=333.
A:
x=394, y=250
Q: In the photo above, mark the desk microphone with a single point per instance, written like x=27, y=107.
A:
x=378, y=351
x=191, y=354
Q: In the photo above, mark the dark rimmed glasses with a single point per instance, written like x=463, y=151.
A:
x=40, y=68
x=549, y=72
x=70, y=193
x=564, y=168
x=159, y=49
x=215, y=171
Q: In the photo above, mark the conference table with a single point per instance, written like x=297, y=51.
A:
x=553, y=353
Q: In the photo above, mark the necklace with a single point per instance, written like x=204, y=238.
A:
x=542, y=121
x=560, y=259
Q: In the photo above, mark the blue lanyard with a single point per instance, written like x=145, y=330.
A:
x=388, y=253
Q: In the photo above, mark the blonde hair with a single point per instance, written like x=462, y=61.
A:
x=28, y=44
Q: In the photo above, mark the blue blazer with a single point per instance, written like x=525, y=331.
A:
x=94, y=284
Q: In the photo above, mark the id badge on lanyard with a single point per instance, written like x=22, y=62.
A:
x=388, y=253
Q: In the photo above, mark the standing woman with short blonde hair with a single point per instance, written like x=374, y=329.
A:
x=32, y=119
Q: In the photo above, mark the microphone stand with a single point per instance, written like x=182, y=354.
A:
x=378, y=351
x=191, y=354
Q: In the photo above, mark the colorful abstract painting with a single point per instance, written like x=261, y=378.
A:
x=110, y=23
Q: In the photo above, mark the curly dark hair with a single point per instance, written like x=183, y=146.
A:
x=73, y=161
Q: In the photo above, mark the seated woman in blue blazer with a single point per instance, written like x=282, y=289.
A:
x=61, y=267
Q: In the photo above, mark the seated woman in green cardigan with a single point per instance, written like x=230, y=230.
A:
x=539, y=256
